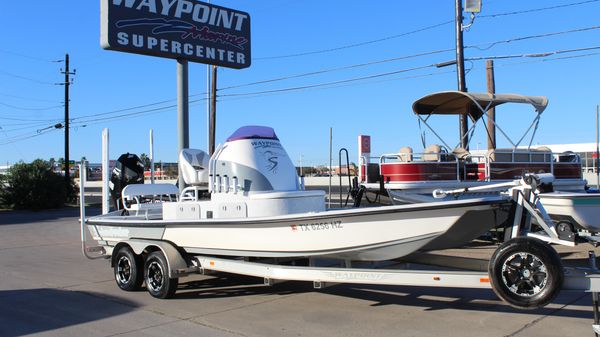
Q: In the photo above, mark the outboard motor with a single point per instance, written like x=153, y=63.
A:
x=129, y=169
x=253, y=160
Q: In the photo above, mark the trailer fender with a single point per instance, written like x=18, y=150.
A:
x=177, y=264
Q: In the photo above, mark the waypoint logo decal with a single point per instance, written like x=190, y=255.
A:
x=187, y=30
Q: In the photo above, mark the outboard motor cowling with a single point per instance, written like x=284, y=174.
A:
x=254, y=158
x=128, y=170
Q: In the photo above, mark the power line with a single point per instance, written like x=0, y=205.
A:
x=359, y=44
x=26, y=78
x=28, y=56
x=523, y=38
x=327, y=85
x=354, y=45
x=31, y=109
x=24, y=120
x=318, y=72
x=28, y=98
x=323, y=71
x=137, y=113
x=537, y=9
x=547, y=60
x=333, y=83
x=24, y=137
x=543, y=54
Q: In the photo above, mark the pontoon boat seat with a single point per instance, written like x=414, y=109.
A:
x=501, y=155
x=541, y=154
x=193, y=165
x=432, y=153
x=461, y=153
x=405, y=154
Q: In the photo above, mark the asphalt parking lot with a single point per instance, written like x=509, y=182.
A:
x=48, y=288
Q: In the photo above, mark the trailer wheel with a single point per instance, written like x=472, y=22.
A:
x=526, y=273
x=156, y=274
x=128, y=270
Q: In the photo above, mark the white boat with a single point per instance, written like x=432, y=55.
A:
x=259, y=221
x=258, y=208
x=574, y=212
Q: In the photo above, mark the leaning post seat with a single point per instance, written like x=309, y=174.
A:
x=193, y=166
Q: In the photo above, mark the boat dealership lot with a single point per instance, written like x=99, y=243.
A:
x=47, y=287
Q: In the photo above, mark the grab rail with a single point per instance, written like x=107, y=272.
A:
x=84, y=248
x=347, y=172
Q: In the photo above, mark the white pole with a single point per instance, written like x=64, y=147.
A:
x=151, y=156
x=330, y=161
x=105, y=173
x=597, y=147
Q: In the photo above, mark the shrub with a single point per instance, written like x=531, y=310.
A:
x=35, y=186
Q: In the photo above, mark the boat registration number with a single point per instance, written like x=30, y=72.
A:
x=318, y=226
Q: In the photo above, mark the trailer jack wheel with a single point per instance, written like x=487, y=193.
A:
x=526, y=273
x=156, y=274
x=128, y=268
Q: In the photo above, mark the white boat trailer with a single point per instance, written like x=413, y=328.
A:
x=179, y=264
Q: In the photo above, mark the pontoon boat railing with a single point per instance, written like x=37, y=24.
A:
x=554, y=160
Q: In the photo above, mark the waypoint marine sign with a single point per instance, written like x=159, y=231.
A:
x=179, y=29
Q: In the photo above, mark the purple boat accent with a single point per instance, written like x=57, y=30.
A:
x=253, y=132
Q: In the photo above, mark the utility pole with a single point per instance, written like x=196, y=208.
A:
x=66, y=83
x=491, y=123
x=460, y=71
x=213, y=113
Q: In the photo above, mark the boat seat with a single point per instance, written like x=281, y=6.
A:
x=193, y=165
x=501, y=155
x=432, y=153
x=137, y=197
x=461, y=153
x=405, y=154
x=541, y=154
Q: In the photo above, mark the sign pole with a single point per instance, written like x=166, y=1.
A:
x=182, y=111
x=212, y=125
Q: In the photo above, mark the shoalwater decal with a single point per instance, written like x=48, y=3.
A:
x=318, y=226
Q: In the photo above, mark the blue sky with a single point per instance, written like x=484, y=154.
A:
x=36, y=33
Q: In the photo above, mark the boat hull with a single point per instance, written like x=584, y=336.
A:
x=580, y=209
x=371, y=234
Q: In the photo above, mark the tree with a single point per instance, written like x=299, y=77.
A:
x=145, y=160
x=35, y=186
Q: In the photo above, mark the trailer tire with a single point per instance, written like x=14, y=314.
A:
x=526, y=273
x=128, y=269
x=156, y=274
